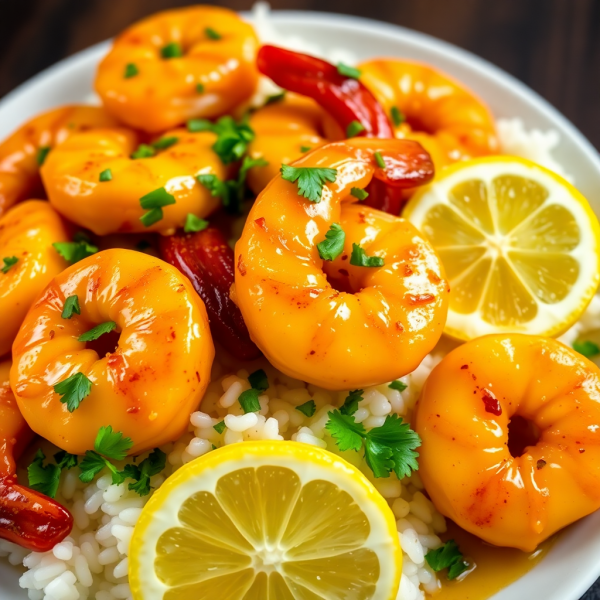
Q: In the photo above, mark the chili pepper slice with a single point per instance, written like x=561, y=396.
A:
x=207, y=261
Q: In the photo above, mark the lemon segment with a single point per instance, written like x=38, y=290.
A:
x=266, y=521
x=520, y=246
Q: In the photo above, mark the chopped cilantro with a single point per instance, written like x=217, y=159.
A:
x=154, y=201
x=232, y=139
x=379, y=160
x=73, y=390
x=109, y=444
x=152, y=465
x=354, y=129
x=348, y=71
x=397, y=117
x=310, y=180
x=172, y=50
x=41, y=155
x=196, y=125
x=212, y=34
x=194, y=224
x=200, y=88
x=96, y=332
x=447, y=557
x=106, y=175
x=70, y=306
x=359, y=193
x=43, y=479
x=305, y=148
x=65, y=460
x=131, y=70
x=9, y=261
x=273, y=98
x=75, y=251
x=258, y=380
x=249, y=400
x=165, y=142
x=220, y=427
x=585, y=347
x=398, y=385
x=308, y=408
x=333, y=244
x=350, y=405
x=143, y=151
x=152, y=216
x=359, y=258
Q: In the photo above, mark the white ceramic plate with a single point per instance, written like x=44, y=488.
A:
x=573, y=563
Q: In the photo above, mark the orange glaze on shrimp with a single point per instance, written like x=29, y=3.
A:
x=448, y=120
x=21, y=152
x=27, y=233
x=284, y=131
x=510, y=426
x=71, y=176
x=148, y=385
x=390, y=317
x=179, y=64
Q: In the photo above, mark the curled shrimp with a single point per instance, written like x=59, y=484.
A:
x=448, y=120
x=27, y=233
x=179, y=64
x=147, y=375
x=27, y=518
x=22, y=152
x=94, y=180
x=387, y=318
x=511, y=445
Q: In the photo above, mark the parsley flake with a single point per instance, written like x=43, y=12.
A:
x=73, y=252
x=397, y=117
x=152, y=465
x=165, y=142
x=359, y=258
x=105, y=175
x=143, y=151
x=359, y=193
x=232, y=139
x=274, y=98
x=43, y=479
x=350, y=405
x=96, y=332
x=212, y=34
x=348, y=71
x=70, y=306
x=131, y=70
x=41, y=155
x=310, y=180
x=398, y=385
x=305, y=148
x=194, y=224
x=65, y=460
x=73, y=390
x=308, y=408
x=112, y=444
x=379, y=160
x=448, y=557
x=197, y=125
x=333, y=244
x=152, y=216
x=154, y=201
x=249, y=400
x=9, y=262
x=200, y=88
x=354, y=129
x=220, y=427
x=259, y=380
x=585, y=347
x=172, y=50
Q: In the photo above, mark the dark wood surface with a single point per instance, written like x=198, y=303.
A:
x=551, y=45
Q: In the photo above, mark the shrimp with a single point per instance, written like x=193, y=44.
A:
x=93, y=180
x=27, y=233
x=179, y=64
x=388, y=318
x=145, y=377
x=511, y=444
x=27, y=518
x=284, y=131
x=449, y=121
x=22, y=152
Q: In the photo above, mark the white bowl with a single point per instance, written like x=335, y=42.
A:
x=573, y=563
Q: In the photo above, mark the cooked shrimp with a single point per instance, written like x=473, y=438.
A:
x=511, y=444
x=27, y=518
x=284, y=131
x=107, y=204
x=22, y=152
x=178, y=64
x=448, y=120
x=28, y=261
x=390, y=317
x=145, y=387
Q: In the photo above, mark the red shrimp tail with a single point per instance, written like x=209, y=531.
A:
x=30, y=519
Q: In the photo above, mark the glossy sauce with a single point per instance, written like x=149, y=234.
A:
x=495, y=567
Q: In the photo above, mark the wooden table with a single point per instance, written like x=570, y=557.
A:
x=551, y=45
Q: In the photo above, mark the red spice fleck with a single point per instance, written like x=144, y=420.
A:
x=433, y=277
x=491, y=402
x=399, y=326
x=344, y=257
x=540, y=464
x=173, y=334
x=420, y=298
x=581, y=450
x=134, y=377
x=312, y=352
x=343, y=272
x=465, y=367
x=408, y=271
x=133, y=409
x=241, y=266
x=197, y=376
x=51, y=334
x=261, y=223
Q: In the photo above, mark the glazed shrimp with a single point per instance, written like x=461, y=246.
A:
x=145, y=387
x=390, y=317
x=27, y=518
x=73, y=178
x=511, y=445
x=448, y=120
x=22, y=152
x=179, y=64
x=284, y=131
x=27, y=233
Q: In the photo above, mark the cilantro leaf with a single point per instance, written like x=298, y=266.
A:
x=157, y=199
x=354, y=129
x=75, y=251
x=305, y=148
x=200, y=88
x=73, y=390
x=359, y=258
x=150, y=466
x=197, y=125
x=258, y=380
x=274, y=98
x=143, y=151
x=152, y=216
x=172, y=50
x=70, y=306
x=220, y=427
x=194, y=224
x=350, y=405
x=308, y=408
x=398, y=385
x=347, y=433
x=333, y=244
x=93, y=463
x=249, y=400
x=131, y=70
x=42, y=154
x=232, y=137
x=585, y=347
x=402, y=442
x=310, y=180
x=348, y=71
x=359, y=193
x=211, y=34
x=44, y=479
x=379, y=457
x=379, y=160
x=397, y=116
x=112, y=444
x=9, y=261
x=96, y=332
x=105, y=175
x=165, y=142
x=65, y=460
x=448, y=557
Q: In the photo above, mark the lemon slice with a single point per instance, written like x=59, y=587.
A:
x=266, y=521
x=520, y=246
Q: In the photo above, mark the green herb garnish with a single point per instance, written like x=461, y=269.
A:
x=73, y=252
x=348, y=71
x=96, y=332
x=310, y=180
x=359, y=193
x=172, y=50
x=308, y=408
x=41, y=155
x=106, y=175
x=398, y=385
x=194, y=224
x=212, y=34
x=333, y=244
x=143, y=151
x=448, y=557
x=249, y=400
x=397, y=117
x=379, y=160
x=359, y=258
x=585, y=347
x=73, y=390
x=220, y=427
x=350, y=405
x=259, y=380
x=354, y=129
x=9, y=262
x=131, y=70
x=71, y=306
x=152, y=465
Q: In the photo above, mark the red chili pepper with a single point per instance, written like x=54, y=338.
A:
x=30, y=519
x=207, y=261
x=346, y=99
